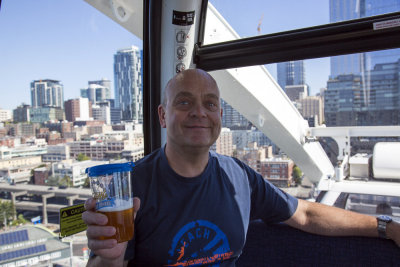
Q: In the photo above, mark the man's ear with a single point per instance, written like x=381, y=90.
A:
x=161, y=116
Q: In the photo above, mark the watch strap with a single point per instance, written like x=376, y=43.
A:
x=382, y=229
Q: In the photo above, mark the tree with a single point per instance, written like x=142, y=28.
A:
x=20, y=220
x=234, y=154
x=65, y=181
x=297, y=174
x=82, y=157
x=52, y=181
x=86, y=184
x=6, y=212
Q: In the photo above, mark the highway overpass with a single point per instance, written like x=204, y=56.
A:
x=45, y=192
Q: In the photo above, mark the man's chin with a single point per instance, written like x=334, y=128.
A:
x=198, y=144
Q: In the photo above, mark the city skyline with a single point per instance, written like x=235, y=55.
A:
x=77, y=45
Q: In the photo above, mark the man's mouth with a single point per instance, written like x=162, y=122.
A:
x=197, y=127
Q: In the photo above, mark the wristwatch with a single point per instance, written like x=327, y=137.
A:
x=383, y=220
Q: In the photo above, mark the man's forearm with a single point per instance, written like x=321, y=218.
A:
x=325, y=220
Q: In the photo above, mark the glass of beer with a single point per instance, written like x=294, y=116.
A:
x=111, y=187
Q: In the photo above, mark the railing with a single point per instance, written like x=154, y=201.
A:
x=281, y=245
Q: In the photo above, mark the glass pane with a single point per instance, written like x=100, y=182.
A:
x=325, y=91
x=266, y=17
x=71, y=96
x=374, y=205
x=76, y=83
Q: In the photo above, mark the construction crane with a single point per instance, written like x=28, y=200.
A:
x=259, y=24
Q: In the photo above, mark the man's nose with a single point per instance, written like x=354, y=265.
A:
x=198, y=111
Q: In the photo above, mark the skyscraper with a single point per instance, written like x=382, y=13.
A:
x=104, y=83
x=47, y=93
x=231, y=118
x=363, y=88
x=291, y=73
x=353, y=101
x=96, y=93
x=128, y=83
x=341, y=10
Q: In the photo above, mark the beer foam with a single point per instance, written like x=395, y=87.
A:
x=120, y=204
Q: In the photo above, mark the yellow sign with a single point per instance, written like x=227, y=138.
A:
x=71, y=220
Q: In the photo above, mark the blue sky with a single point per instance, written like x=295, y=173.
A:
x=70, y=41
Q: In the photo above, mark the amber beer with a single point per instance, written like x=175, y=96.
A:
x=121, y=217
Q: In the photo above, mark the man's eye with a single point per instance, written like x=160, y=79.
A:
x=184, y=102
x=211, y=105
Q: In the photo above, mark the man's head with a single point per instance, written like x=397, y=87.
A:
x=191, y=110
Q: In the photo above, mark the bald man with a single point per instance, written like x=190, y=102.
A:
x=195, y=205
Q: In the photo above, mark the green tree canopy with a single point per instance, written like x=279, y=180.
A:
x=6, y=212
x=86, y=184
x=65, y=181
x=82, y=157
x=297, y=174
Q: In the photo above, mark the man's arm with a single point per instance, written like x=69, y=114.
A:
x=321, y=219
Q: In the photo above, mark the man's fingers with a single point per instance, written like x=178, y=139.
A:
x=136, y=203
x=95, y=244
x=90, y=204
x=94, y=218
x=95, y=232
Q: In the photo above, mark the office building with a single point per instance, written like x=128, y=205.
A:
x=115, y=113
x=22, y=113
x=231, y=118
x=104, y=83
x=79, y=109
x=341, y=10
x=5, y=115
x=102, y=112
x=278, y=171
x=312, y=110
x=128, y=84
x=241, y=138
x=252, y=154
x=291, y=73
x=296, y=92
x=56, y=153
x=48, y=93
x=98, y=91
x=23, y=129
x=353, y=101
x=43, y=114
x=74, y=170
x=223, y=145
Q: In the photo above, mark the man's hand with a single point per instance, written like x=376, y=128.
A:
x=393, y=232
x=107, y=251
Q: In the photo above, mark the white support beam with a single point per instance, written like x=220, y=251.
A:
x=342, y=135
x=254, y=93
x=127, y=13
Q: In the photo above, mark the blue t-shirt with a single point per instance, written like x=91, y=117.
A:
x=200, y=220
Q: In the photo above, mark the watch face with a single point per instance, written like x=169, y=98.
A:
x=385, y=218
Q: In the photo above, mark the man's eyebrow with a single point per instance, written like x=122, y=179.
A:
x=212, y=96
x=183, y=94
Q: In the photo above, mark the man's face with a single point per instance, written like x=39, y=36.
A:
x=192, y=113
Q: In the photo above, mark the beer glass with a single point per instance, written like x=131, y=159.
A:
x=111, y=187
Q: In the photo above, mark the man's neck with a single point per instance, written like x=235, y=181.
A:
x=187, y=162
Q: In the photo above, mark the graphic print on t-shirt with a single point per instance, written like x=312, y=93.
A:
x=199, y=242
